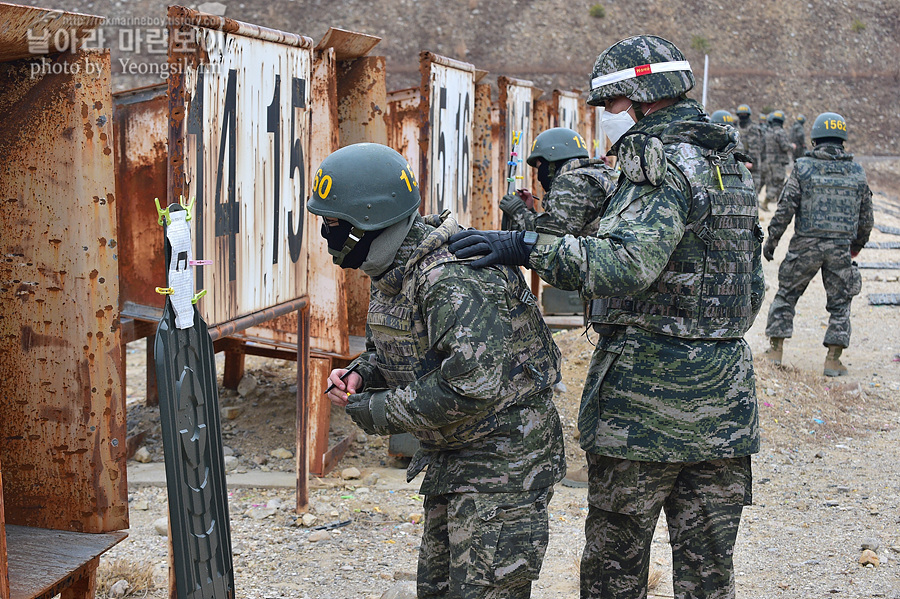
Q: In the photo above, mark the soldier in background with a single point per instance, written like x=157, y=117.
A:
x=778, y=151
x=723, y=117
x=831, y=203
x=751, y=144
x=798, y=136
x=668, y=415
x=577, y=188
x=460, y=358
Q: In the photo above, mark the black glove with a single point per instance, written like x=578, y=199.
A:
x=769, y=249
x=498, y=247
x=367, y=410
x=512, y=204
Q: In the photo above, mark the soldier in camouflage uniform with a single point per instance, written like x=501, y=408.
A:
x=461, y=359
x=668, y=414
x=828, y=194
x=751, y=144
x=798, y=136
x=576, y=185
x=577, y=189
x=778, y=151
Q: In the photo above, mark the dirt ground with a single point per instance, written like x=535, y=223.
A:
x=826, y=482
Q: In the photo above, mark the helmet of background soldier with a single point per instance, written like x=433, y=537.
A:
x=762, y=118
x=801, y=119
x=829, y=124
x=644, y=68
x=555, y=144
x=723, y=117
x=368, y=187
x=743, y=110
x=776, y=118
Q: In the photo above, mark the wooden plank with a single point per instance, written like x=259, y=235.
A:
x=319, y=413
x=44, y=562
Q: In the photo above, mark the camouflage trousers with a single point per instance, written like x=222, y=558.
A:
x=775, y=177
x=703, y=503
x=840, y=277
x=483, y=545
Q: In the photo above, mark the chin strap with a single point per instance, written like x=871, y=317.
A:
x=355, y=235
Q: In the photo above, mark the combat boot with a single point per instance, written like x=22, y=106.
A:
x=833, y=366
x=775, y=351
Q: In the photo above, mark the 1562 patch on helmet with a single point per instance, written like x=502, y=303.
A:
x=642, y=158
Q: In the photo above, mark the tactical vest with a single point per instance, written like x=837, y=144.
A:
x=830, y=197
x=704, y=292
x=404, y=355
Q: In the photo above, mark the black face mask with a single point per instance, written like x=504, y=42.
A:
x=743, y=118
x=337, y=236
x=546, y=173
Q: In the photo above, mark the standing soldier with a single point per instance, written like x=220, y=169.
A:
x=460, y=358
x=778, y=148
x=577, y=188
x=798, y=136
x=828, y=194
x=668, y=414
x=751, y=144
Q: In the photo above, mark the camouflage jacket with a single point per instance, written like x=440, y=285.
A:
x=798, y=137
x=777, y=146
x=828, y=193
x=751, y=142
x=469, y=364
x=650, y=396
x=575, y=202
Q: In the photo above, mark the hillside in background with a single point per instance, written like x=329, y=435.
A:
x=801, y=57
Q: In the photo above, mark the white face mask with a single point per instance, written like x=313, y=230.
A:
x=616, y=125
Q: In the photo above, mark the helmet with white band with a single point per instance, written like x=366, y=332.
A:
x=644, y=68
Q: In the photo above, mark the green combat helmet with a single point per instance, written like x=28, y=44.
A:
x=369, y=186
x=776, y=118
x=801, y=119
x=743, y=110
x=829, y=124
x=555, y=144
x=723, y=117
x=644, y=68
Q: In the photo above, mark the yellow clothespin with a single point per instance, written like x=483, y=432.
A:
x=163, y=215
x=198, y=295
x=189, y=207
x=165, y=290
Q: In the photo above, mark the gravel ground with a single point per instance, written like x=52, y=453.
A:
x=826, y=483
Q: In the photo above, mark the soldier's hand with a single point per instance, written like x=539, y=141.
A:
x=341, y=388
x=512, y=204
x=496, y=247
x=769, y=249
x=526, y=196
